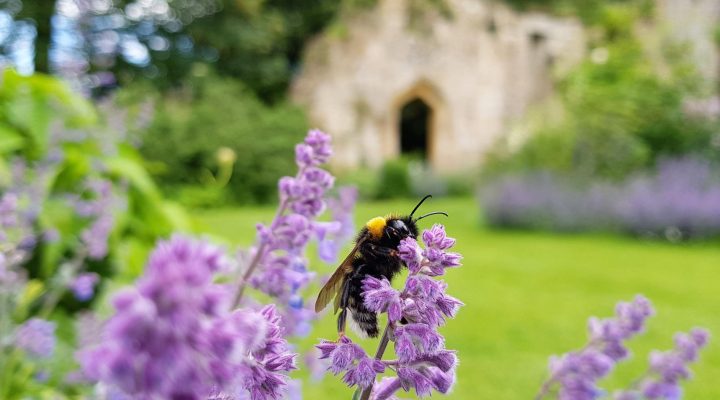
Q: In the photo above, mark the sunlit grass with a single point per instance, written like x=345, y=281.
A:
x=528, y=295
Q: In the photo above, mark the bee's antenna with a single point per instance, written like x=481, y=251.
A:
x=432, y=213
x=419, y=204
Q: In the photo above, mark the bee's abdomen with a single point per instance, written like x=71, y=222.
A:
x=365, y=321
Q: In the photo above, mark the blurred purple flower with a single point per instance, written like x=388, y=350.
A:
x=342, y=211
x=8, y=210
x=680, y=200
x=83, y=286
x=668, y=369
x=100, y=209
x=575, y=374
x=36, y=337
x=282, y=268
x=173, y=336
x=315, y=365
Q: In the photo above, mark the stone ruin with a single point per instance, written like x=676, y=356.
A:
x=447, y=86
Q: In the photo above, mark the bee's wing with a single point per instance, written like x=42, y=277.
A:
x=334, y=285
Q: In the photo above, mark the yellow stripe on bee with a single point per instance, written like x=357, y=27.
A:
x=375, y=226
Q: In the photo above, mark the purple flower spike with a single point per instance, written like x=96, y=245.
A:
x=381, y=297
x=36, y=337
x=422, y=363
x=173, y=335
x=83, y=286
x=574, y=376
x=279, y=267
x=314, y=151
x=386, y=388
x=100, y=209
x=411, y=254
x=411, y=378
x=668, y=369
x=319, y=141
x=576, y=373
x=436, y=238
x=341, y=209
x=364, y=373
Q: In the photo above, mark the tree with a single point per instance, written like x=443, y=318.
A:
x=40, y=12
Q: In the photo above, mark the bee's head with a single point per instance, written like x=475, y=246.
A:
x=400, y=228
x=397, y=228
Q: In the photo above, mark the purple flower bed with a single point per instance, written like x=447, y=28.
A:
x=680, y=200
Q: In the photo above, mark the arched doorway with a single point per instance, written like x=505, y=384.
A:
x=418, y=115
x=415, y=117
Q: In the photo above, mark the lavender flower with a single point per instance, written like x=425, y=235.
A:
x=83, y=286
x=350, y=358
x=668, y=369
x=8, y=210
x=341, y=209
x=173, y=336
x=679, y=200
x=414, y=314
x=36, y=337
x=100, y=209
x=575, y=374
x=20, y=205
x=282, y=271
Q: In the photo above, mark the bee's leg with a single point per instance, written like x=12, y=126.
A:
x=344, y=298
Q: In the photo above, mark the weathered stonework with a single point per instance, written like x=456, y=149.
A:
x=694, y=22
x=478, y=70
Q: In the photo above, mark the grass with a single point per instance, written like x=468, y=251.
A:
x=528, y=296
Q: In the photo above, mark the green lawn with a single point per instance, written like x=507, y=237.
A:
x=528, y=295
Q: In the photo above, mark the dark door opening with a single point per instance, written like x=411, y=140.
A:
x=414, y=128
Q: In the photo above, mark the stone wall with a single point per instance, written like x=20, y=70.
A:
x=478, y=70
x=694, y=22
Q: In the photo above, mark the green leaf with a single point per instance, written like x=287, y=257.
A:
x=33, y=290
x=10, y=139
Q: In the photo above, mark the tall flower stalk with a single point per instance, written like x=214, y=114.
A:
x=574, y=375
x=278, y=266
x=421, y=362
x=668, y=369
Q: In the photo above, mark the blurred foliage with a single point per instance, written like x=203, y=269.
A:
x=192, y=124
x=394, y=180
x=27, y=108
x=622, y=113
x=53, y=146
x=407, y=177
x=35, y=112
x=257, y=41
x=260, y=42
x=590, y=11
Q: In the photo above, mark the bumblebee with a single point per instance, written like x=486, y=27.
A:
x=374, y=254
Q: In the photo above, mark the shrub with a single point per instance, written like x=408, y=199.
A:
x=394, y=180
x=189, y=128
x=408, y=177
x=622, y=115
